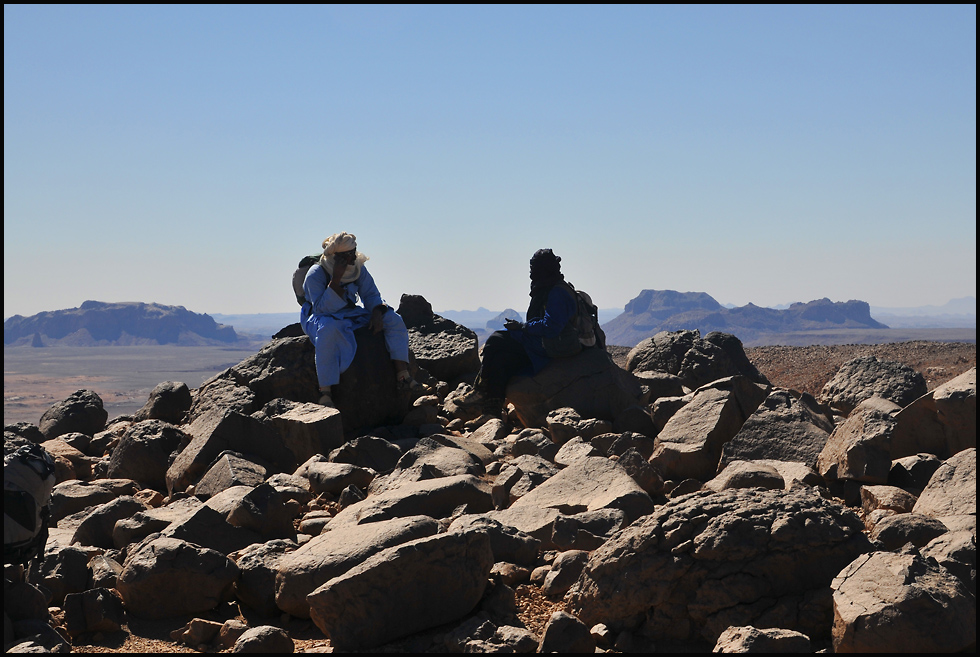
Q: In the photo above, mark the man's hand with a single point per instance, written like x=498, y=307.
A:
x=377, y=322
x=512, y=324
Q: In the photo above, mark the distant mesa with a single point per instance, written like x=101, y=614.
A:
x=654, y=311
x=96, y=323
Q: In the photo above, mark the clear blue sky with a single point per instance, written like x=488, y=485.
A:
x=191, y=155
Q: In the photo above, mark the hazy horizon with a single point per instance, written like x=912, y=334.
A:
x=191, y=155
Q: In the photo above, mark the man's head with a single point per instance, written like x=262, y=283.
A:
x=544, y=263
x=339, y=243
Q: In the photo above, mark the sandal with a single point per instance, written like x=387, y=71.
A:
x=408, y=383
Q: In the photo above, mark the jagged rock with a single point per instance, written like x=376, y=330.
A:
x=750, y=639
x=369, y=452
x=96, y=528
x=94, y=610
x=336, y=551
x=565, y=633
x=565, y=570
x=105, y=571
x=142, y=524
x=82, y=411
x=70, y=463
x=587, y=530
x=567, y=423
x=404, y=589
x=507, y=543
x=308, y=429
x=264, y=639
x=787, y=426
x=695, y=361
x=589, y=382
x=886, y=497
x=941, y=422
x=196, y=633
x=264, y=510
x=208, y=528
x=259, y=564
x=333, y=478
x=690, y=444
x=885, y=602
x=659, y=384
x=415, y=311
x=859, y=447
x=573, y=450
x=644, y=473
x=956, y=551
x=229, y=470
x=447, y=460
x=893, y=532
x=169, y=577
x=952, y=490
x=218, y=431
x=912, y=473
x=168, y=401
x=535, y=471
x=144, y=452
x=700, y=563
x=63, y=570
x=861, y=378
x=746, y=474
x=588, y=484
x=437, y=498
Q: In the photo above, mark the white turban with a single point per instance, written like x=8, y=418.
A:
x=339, y=243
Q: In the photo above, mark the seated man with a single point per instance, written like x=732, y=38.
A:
x=330, y=314
x=525, y=348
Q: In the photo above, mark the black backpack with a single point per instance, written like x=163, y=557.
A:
x=28, y=478
x=300, y=275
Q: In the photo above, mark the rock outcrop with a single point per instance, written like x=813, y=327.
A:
x=737, y=515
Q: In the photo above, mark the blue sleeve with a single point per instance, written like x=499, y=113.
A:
x=324, y=300
x=558, y=311
x=367, y=290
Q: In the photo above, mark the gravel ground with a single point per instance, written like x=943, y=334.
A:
x=802, y=368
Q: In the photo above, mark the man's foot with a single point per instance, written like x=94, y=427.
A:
x=472, y=400
x=405, y=381
x=326, y=399
x=493, y=407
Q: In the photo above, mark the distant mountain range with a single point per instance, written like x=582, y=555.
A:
x=96, y=323
x=666, y=310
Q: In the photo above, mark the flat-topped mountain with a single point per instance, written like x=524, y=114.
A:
x=96, y=323
x=653, y=311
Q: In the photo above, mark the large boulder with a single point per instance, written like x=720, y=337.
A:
x=787, y=426
x=168, y=401
x=952, y=490
x=308, y=429
x=886, y=602
x=437, y=498
x=81, y=412
x=143, y=453
x=588, y=484
x=706, y=561
x=334, y=552
x=226, y=430
x=696, y=361
x=169, y=577
x=866, y=376
x=404, y=589
x=445, y=349
x=859, y=449
x=589, y=382
x=942, y=422
x=690, y=444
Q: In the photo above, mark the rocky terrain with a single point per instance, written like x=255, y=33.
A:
x=96, y=323
x=685, y=494
x=653, y=311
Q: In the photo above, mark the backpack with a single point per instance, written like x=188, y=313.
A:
x=28, y=477
x=586, y=320
x=299, y=276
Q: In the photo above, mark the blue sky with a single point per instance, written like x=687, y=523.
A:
x=191, y=155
